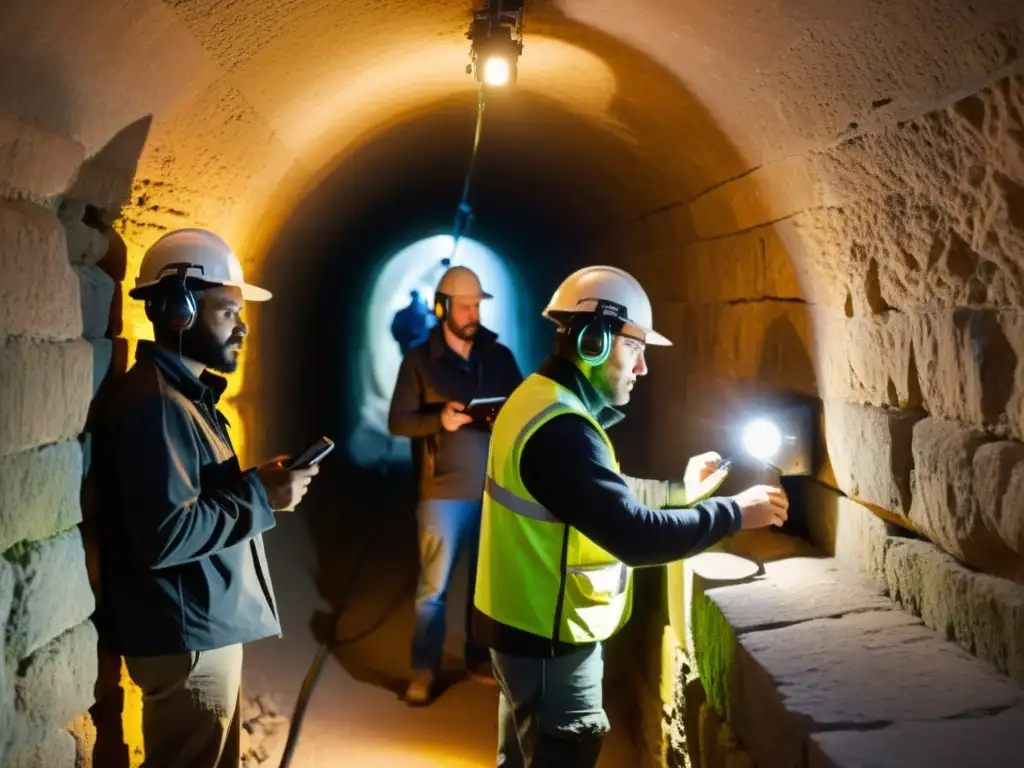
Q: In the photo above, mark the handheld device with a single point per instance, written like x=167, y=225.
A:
x=484, y=410
x=313, y=455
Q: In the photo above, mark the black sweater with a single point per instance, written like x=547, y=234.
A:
x=452, y=465
x=566, y=466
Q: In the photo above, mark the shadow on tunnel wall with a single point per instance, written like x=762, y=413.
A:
x=106, y=176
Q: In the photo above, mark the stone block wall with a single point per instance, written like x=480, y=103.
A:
x=56, y=299
x=883, y=275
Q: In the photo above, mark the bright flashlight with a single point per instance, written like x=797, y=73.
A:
x=496, y=71
x=782, y=439
x=762, y=439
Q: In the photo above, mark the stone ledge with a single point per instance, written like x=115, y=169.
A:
x=979, y=742
x=806, y=653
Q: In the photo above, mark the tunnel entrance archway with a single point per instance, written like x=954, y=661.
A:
x=418, y=267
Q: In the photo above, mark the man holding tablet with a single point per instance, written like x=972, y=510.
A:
x=460, y=365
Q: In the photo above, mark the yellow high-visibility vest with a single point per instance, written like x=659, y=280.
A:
x=534, y=572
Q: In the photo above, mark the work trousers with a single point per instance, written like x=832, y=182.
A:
x=190, y=707
x=550, y=710
x=447, y=528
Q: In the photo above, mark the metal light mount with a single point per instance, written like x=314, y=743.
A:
x=497, y=42
x=783, y=439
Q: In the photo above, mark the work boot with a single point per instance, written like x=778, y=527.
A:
x=421, y=688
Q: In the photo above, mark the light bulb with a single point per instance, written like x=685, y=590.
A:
x=496, y=71
x=762, y=439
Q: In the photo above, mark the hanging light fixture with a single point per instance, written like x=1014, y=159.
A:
x=496, y=34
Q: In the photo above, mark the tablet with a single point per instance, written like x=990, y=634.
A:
x=484, y=410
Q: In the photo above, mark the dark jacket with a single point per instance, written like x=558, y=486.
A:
x=566, y=467
x=181, y=556
x=452, y=464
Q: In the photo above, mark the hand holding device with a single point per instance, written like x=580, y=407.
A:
x=454, y=416
x=484, y=410
x=313, y=455
x=763, y=505
x=286, y=479
x=704, y=475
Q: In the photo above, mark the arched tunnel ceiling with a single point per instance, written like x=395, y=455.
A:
x=259, y=100
x=873, y=146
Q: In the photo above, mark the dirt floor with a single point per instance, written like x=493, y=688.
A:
x=355, y=717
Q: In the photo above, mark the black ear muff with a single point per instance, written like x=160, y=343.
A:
x=594, y=341
x=171, y=304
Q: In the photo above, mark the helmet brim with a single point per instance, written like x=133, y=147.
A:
x=249, y=292
x=655, y=339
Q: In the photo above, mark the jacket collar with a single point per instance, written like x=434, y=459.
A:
x=207, y=386
x=484, y=339
x=563, y=372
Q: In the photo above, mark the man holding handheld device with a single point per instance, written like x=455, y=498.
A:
x=184, y=578
x=563, y=528
x=448, y=390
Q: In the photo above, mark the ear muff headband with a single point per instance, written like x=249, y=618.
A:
x=594, y=341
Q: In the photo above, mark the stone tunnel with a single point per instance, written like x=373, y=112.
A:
x=824, y=200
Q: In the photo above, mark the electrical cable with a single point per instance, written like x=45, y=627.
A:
x=332, y=642
x=463, y=219
x=464, y=212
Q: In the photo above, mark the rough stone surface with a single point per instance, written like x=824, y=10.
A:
x=991, y=741
x=83, y=731
x=97, y=291
x=747, y=267
x=871, y=452
x=929, y=210
x=7, y=583
x=56, y=749
x=828, y=663
x=45, y=389
x=794, y=590
x=966, y=365
x=38, y=293
x=34, y=163
x=51, y=594
x=955, y=487
x=983, y=613
x=39, y=492
x=765, y=340
x=55, y=684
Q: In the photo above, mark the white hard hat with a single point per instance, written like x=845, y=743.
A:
x=584, y=290
x=211, y=258
x=462, y=281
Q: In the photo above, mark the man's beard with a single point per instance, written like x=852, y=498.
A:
x=465, y=332
x=203, y=347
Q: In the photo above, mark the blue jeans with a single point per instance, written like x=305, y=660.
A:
x=447, y=527
x=550, y=710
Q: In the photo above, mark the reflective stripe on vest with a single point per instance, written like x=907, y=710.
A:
x=535, y=573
